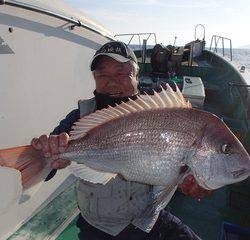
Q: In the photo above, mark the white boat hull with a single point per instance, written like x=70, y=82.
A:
x=44, y=71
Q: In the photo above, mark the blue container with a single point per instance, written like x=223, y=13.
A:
x=231, y=231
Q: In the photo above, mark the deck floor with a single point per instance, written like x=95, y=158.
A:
x=71, y=232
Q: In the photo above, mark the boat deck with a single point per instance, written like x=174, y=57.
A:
x=228, y=204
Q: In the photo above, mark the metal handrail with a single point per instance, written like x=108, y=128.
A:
x=215, y=39
x=236, y=84
x=52, y=14
x=136, y=34
x=191, y=55
x=139, y=38
x=204, y=31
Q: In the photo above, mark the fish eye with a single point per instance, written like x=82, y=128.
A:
x=226, y=148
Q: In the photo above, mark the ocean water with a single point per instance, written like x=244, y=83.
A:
x=242, y=56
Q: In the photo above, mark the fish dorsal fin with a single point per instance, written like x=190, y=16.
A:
x=165, y=99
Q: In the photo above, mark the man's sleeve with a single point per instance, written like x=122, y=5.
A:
x=64, y=126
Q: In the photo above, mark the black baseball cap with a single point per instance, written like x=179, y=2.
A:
x=116, y=50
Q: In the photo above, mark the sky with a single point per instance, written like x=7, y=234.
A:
x=170, y=18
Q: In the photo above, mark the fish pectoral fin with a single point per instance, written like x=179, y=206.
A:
x=163, y=194
x=163, y=197
x=90, y=174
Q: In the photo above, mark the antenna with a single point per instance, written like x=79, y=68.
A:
x=174, y=40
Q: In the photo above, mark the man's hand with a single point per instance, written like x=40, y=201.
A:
x=191, y=188
x=51, y=146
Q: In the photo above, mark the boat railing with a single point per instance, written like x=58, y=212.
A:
x=198, y=45
x=142, y=45
x=132, y=35
x=236, y=84
x=203, y=29
x=214, y=45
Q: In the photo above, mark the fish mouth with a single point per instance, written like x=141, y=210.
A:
x=239, y=173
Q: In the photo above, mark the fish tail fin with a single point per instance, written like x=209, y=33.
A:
x=29, y=163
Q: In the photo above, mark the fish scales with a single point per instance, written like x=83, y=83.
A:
x=176, y=120
x=146, y=147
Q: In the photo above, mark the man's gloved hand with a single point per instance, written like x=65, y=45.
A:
x=190, y=187
x=52, y=146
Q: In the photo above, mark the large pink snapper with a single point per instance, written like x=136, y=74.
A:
x=150, y=140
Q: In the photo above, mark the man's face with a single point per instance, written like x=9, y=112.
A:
x=114, y=78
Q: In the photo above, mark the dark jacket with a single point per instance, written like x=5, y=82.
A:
x=66, y=124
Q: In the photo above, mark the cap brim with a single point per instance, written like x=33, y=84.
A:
x=116, y=57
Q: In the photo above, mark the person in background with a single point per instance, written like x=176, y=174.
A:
x=116, y=210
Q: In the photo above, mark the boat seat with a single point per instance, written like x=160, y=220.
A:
x=193, y=90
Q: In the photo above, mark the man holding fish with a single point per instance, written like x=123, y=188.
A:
x=119, y=208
